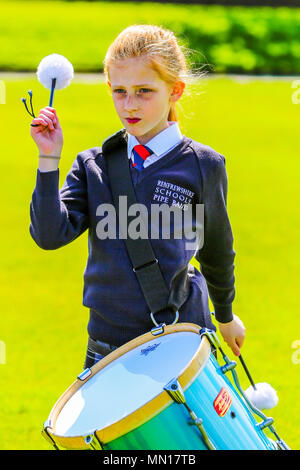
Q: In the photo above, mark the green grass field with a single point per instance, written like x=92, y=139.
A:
x=43, y=323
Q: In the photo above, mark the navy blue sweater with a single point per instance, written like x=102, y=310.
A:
x=118, y=311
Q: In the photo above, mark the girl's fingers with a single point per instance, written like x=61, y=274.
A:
x=47, y=113
x=51, y=109
x=39, y=121
x=48, y=121
x=235, y=348
x=235, y=344
x=50, y=113
x=48, y=118
x=240, y=341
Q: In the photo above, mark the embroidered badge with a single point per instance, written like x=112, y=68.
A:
x=222, y=402
x=172, y=194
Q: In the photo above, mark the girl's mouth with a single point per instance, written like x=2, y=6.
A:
x=132, y=120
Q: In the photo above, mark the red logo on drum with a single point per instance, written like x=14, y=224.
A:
x=222, y=402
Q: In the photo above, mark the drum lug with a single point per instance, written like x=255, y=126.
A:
x=175, y=391
x=93, y=442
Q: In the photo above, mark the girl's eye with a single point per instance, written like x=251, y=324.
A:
x=121, y=91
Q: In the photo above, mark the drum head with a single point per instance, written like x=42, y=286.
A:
x=127, y=383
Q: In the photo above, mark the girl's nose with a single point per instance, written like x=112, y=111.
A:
x=130, y=104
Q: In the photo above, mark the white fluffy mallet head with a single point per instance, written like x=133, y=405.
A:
x=55, y=71
x=263, y=397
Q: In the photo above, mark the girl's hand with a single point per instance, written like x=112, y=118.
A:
x=48, y=135
x=233, y=334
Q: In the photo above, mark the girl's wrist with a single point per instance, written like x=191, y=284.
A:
x=49, y=156
x=48, y=162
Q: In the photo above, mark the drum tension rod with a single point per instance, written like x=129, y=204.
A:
x=175, y=391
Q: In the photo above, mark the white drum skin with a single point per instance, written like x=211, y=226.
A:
x=126, y=384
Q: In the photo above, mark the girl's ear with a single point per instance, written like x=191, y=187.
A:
x=178, y=90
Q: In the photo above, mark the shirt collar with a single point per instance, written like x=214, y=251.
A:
x=162, y=142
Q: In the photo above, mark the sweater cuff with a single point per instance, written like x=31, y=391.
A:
x=47, y=182
x=224, y=313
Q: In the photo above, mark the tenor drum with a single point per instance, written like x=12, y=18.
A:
x=163, y=390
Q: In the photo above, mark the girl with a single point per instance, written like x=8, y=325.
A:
x=146, y=71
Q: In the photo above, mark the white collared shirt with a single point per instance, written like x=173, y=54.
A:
x=160, y=145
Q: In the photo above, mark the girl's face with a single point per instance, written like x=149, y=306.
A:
x=138, y=92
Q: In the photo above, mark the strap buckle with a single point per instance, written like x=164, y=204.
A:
x=156, y=324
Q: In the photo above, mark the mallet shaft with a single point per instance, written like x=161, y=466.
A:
x=52, y=92
x=247, y=371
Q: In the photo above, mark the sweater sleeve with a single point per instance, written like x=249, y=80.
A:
x=59, y=216
x=216, y=257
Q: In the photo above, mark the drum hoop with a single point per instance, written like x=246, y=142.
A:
x=146, y=411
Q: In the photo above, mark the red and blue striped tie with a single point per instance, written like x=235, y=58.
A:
x=140, y=152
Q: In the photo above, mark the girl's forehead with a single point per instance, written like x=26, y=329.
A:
x=138, y=62
x=135, y=70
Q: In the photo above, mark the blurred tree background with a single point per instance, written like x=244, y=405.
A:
x=225, y=39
